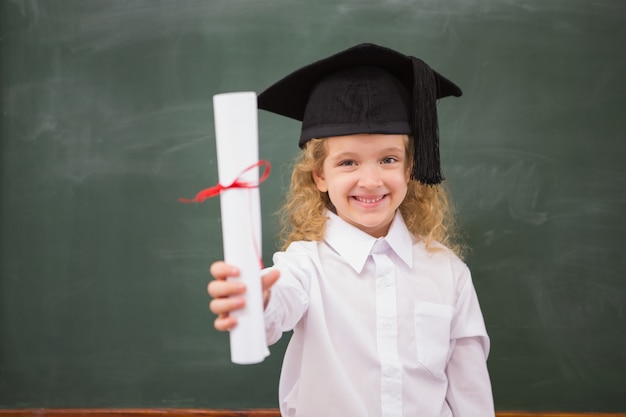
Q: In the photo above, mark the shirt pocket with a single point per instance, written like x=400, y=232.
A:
x=432, y=335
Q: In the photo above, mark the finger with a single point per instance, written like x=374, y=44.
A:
x=218, y=289
x=221, y=270
x=223, y=306
x=225, y=323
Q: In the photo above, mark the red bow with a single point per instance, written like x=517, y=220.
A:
x=217, y=189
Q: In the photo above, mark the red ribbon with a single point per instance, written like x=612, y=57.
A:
x=217, y=189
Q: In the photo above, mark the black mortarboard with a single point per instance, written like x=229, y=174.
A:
x=367, y=89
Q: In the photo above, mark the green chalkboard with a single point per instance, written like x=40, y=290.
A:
x=107, y=120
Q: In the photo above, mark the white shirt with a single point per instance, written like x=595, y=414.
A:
x=381, y=327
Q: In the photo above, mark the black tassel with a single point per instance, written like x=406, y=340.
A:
x=426, y=162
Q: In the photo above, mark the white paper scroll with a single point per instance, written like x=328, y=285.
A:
x=236, y=132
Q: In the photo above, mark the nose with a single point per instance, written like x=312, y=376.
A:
x=370, y=176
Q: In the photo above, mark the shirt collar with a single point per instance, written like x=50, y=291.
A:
x=355, y=246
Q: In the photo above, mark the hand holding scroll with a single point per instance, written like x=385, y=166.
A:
x=229, y=296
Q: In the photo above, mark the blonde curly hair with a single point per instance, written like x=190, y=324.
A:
x=426, y=210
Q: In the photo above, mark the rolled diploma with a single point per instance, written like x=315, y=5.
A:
x=236, y=131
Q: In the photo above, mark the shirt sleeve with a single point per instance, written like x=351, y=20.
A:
x=469, y=386
x=289, y=299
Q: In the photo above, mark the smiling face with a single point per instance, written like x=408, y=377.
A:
x=366, y=178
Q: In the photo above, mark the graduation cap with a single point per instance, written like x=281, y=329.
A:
x=367, y=89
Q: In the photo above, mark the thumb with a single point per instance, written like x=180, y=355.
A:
x=267, y=281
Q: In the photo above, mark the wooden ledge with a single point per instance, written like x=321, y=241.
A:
x=140, y=412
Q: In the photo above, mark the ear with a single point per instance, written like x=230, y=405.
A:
x=410, y=148
x=320, y=182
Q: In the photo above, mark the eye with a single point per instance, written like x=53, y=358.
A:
x=347, y=163
x=389, y=160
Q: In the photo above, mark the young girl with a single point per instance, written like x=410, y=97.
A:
x=385, y=319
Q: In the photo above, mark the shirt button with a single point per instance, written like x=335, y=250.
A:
x=387, y=324
x=391, y=371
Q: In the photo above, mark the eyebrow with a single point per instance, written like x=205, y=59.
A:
x=391, y=149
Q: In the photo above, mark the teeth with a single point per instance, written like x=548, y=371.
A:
x=367, y=200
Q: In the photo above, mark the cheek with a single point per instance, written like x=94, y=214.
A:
x=338, y=187
x=402, y=185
